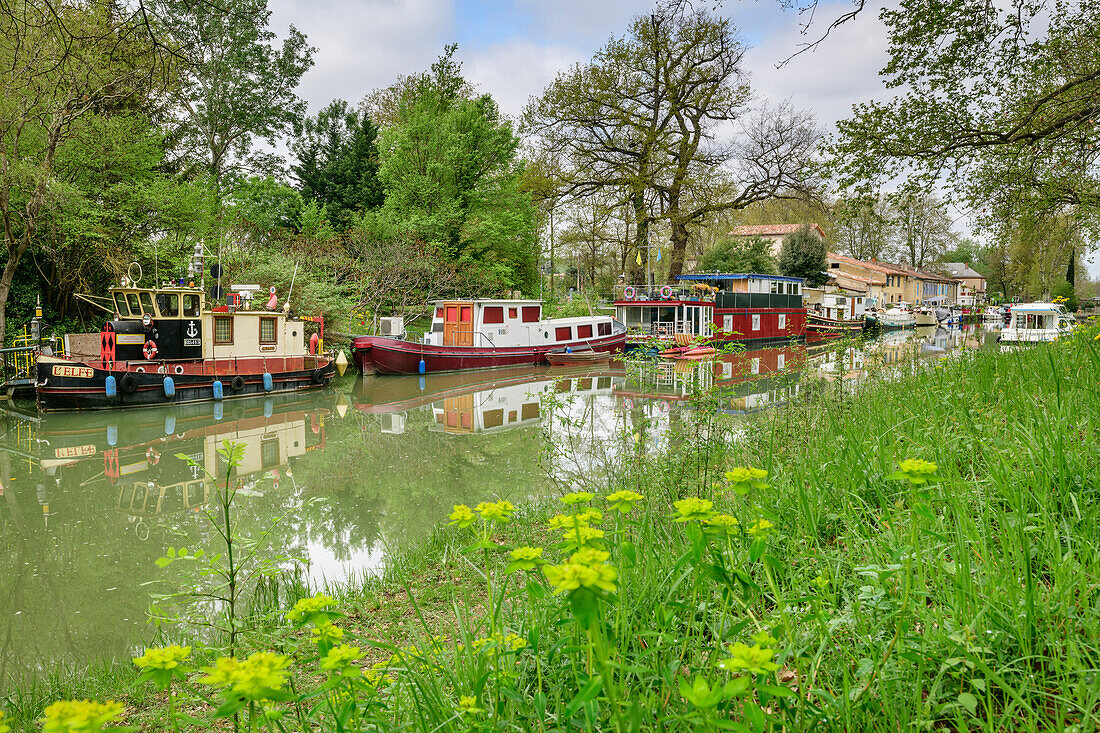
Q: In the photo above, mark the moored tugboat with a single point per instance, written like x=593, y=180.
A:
x=164, y=346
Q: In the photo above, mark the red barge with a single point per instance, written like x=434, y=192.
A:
x=714, y=309
x=484, y=334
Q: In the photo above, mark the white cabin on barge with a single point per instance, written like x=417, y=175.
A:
x=1037, y=322
x=488, y=323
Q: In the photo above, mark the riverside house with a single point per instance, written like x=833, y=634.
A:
x=774, y=234
x=971, y=283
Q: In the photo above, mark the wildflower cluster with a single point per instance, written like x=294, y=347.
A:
x=693, y=509
x=525, y=559
x=915, y=471
x=624, y=501
x=507, y=643
x=79, y=716
x=341, y=659
x=741, y=479
x=316, y=610
x=584, y=569
x=256, y=678
x=753, y=659
x=163, y=658
x=498, y=511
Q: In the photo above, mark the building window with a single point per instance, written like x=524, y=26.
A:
x=531, y=313
x=604, y=328
x=493, y=314
x=223, y=330
x=267, y=331
x=584, y=332
x=563, y=333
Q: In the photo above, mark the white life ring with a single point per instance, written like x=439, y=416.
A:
x=666, y=292
x=150, y=350
x=179, y=369
x=664, y=406
x=628, y=293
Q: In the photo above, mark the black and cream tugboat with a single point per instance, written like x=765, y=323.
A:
x=165, y=345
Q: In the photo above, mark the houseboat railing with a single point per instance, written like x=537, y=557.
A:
x=680, y=291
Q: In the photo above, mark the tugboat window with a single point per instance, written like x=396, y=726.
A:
x=132, y=301
x=493, y=314
x=584, y=332
x=563, y=333
x=168, y=304
x=147, y=303
x=120, y=305
x=531, y=313
x=191, y=306
x=605, y=328
x=267, y=331
x=223, y=330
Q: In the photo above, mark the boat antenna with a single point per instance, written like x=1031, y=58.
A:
x=286, y=305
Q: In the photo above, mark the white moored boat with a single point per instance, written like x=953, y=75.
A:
x=896, y=317
x=1037, y=322
x=993, y=314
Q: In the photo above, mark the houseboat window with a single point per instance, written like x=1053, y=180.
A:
x=191, y=306
x=438, y=312
x=267, y=331
x=604, y=329
x=269, y=452
x=755, y=321
x=147, y=302
x=529, y=411
x=492, y=418
x=132, y=301
x=452, y=313
x=727, y=323
x=223, y=330
x=584, y=332
x=120, y=305
x=492, y=314
x=563, y=333
x=782, y=320
x=531, y=313
x=513, y=312
x=775, y=287
x=168, y=304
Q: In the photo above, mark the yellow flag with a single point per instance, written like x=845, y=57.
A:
x=639, y=258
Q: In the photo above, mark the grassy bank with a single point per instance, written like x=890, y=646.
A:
x=923, y=554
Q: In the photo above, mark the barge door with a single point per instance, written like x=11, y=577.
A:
x=458, y=324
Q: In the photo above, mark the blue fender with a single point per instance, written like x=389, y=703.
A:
x=219, y=391
x=268, y=382
x=170, y=425
x=269, y=407
x=219, y=410
x=112, y=435
x=110, y=386
x=169, y=388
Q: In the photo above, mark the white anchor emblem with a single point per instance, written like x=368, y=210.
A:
x=192, y=332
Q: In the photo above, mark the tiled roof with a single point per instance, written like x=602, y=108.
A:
x=876, y=266
x=962, y=270
x=768, y=230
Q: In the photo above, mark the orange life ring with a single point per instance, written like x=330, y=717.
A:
x=150, y=350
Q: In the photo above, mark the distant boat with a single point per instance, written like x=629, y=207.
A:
x=896, y=317
x=993, y=314
x=484, y=334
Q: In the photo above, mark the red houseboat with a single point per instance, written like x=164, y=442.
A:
x=714, y=308
x=483, y=334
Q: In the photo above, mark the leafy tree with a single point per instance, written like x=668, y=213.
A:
x=642, y=117
x=232, y=84
x=1068, y=294
x=803, y=255
x=739, y=255
x=337, y=161
x=452, y=179
x=922, y=228
x=58, y=65
x=863, y=228
x=995, y=100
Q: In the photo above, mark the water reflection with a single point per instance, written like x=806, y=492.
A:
x=89, y=501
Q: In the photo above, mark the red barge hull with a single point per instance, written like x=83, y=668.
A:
x=394, y=356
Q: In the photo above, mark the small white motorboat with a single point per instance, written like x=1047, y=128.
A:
x=1037, y=322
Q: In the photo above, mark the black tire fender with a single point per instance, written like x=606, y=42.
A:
x=238, y=383
x=128, y=383
x=317, y=377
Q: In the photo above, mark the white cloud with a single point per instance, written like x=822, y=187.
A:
x=363, y=45
x=515, y=70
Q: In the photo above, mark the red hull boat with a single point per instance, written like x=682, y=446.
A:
x=395, y=356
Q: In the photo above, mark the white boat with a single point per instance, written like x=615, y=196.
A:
x=993, y=313
x=896, y=318
x=925, y=316
x=1037, y=322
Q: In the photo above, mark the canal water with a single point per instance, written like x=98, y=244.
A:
x=90, y=501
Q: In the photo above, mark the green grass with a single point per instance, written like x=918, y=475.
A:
x=968, y=603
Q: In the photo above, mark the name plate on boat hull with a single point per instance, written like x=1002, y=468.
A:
x=73, y=371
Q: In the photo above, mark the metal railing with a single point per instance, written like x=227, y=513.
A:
x=680, y=291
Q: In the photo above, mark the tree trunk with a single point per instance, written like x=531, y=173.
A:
x=676, y=258
x=641, y=241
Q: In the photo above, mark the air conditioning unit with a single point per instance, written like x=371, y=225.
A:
x=393, y=326
x=393, y=423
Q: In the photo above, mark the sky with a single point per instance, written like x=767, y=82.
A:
x=512, y=49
